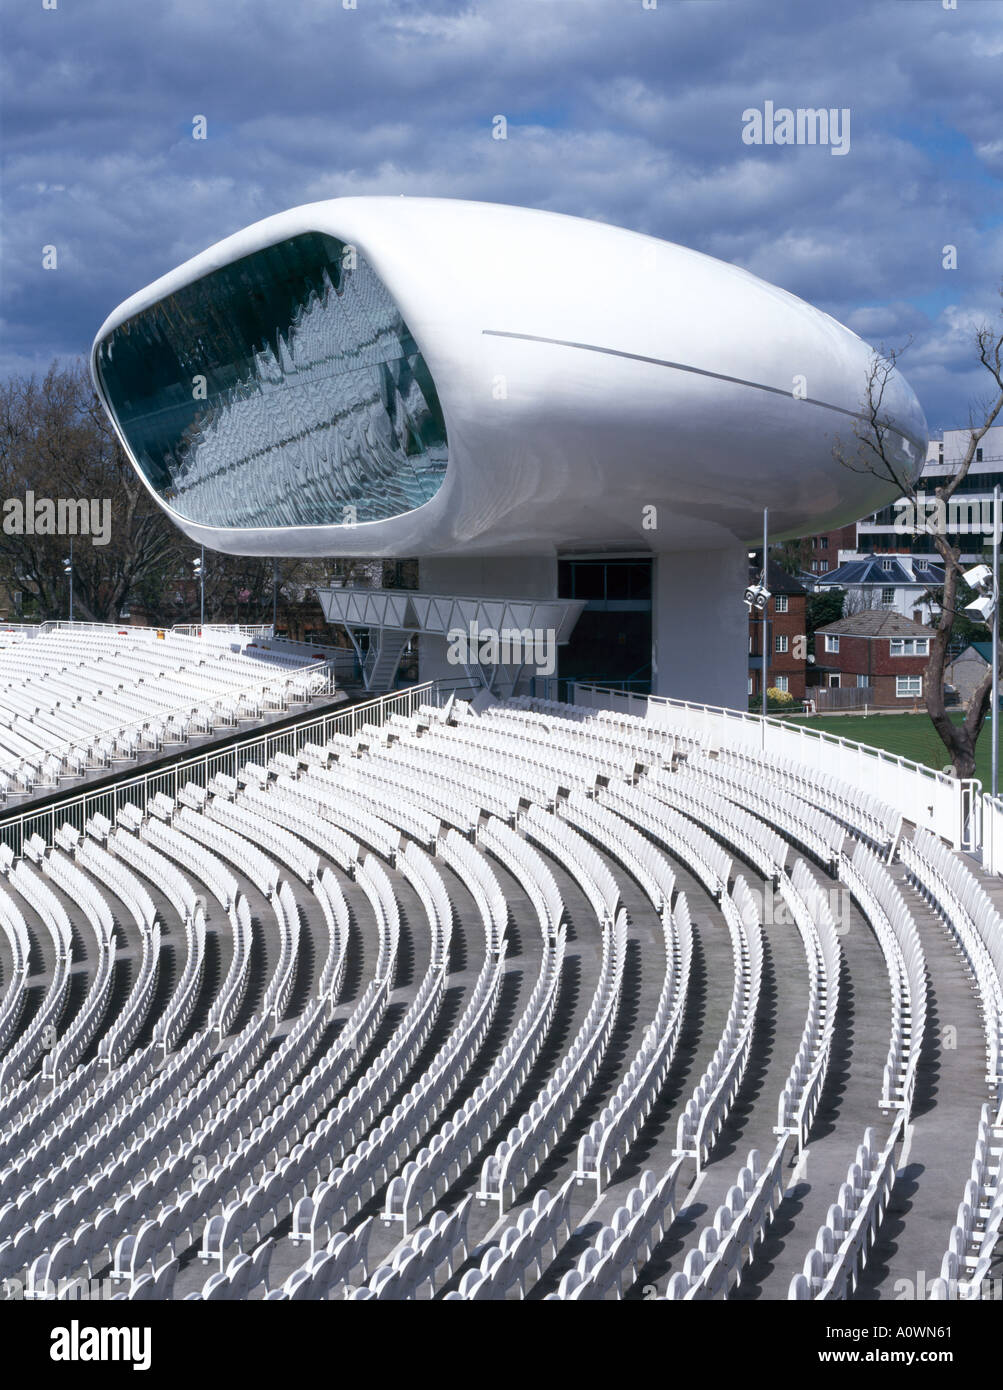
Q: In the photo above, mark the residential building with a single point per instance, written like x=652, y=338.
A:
x=878, y=650
x=902, y=583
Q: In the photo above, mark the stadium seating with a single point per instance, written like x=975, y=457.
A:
x=80, y=697
x=459, y=1006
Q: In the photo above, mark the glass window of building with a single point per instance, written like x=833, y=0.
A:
x=284, y=389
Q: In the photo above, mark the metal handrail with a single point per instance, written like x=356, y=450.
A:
x=77, y=807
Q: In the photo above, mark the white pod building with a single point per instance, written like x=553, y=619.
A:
x=509, y=395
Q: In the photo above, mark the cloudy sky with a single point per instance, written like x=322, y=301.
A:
x=615, y=110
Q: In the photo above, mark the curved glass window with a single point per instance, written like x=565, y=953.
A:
x=281, y=390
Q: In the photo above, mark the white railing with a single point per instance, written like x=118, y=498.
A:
x=200, y=768
x=939, y=802
x=992, y=834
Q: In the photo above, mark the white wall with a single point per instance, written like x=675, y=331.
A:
x=700, y=626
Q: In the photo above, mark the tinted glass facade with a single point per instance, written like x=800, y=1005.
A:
x=282, y=390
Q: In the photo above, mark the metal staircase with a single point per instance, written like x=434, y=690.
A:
x=382, y=660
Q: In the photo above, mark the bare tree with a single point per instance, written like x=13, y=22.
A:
x=875, y=452
x=861, y=599
x=56, y=444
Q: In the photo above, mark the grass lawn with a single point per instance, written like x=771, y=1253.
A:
x=910, y=735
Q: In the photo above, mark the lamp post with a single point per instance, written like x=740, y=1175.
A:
x=275, y=595
x=199, y=567
x=986, y=609
x=68, y=570
x=995, y=640
x=766, y=625
x=757, y=596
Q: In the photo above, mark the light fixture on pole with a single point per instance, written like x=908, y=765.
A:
x=985, y=607
x=199, y=567
x=757, y=598
x=68, y=571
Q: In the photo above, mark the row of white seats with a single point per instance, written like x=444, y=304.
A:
x=455, y=784
x=799, y=821
x=475, y=871
x=528, y=867
x=519, y=775
x=13, y=926
x=893, y=925
x=683, y=837
x=618, y=838
x=572, y=849
x=833, y=1266
x=521, y=1250
x=867, y=816
x=41, y=1032
x=80, y=889
x=625, y=1244
x=469, y=1128
x=706, y=1111
x=971, y=1247
x=521, y=1153
x=971, y=917
x=648, y=744
x=608, y=1139
x=193, y=857
x=756, y=842
x=728, y=1243
x=810, y=911
x=231, y=995
x=177, y=1012
x=291, y=815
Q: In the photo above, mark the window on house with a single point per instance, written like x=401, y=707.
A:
x=750, y=685
x=909, y=646
x=781, y=603
x=833, y=680
x=887, y=564
x=887, y=596
x=823, y=542
x=780, y=643
x=831, y=642
x=978, y=455
x=780, y=682
x=862, y=682
x=908, y=685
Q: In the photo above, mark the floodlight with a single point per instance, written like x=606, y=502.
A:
x=982, y=607
x=979, y=578
x=757, y=596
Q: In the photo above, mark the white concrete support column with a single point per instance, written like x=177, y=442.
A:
x=521, y=576
x=700, y=626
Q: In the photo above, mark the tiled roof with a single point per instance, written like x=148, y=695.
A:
x=877, y=622
x=780, y=581
x=927, y=573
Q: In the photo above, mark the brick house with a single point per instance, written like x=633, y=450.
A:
x=876, y=649
x=785, y=614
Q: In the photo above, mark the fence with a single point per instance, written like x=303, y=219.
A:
x=947, y=805
x=992, y=833
x=951, y=808
x=202, y=767
x=843, y=696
